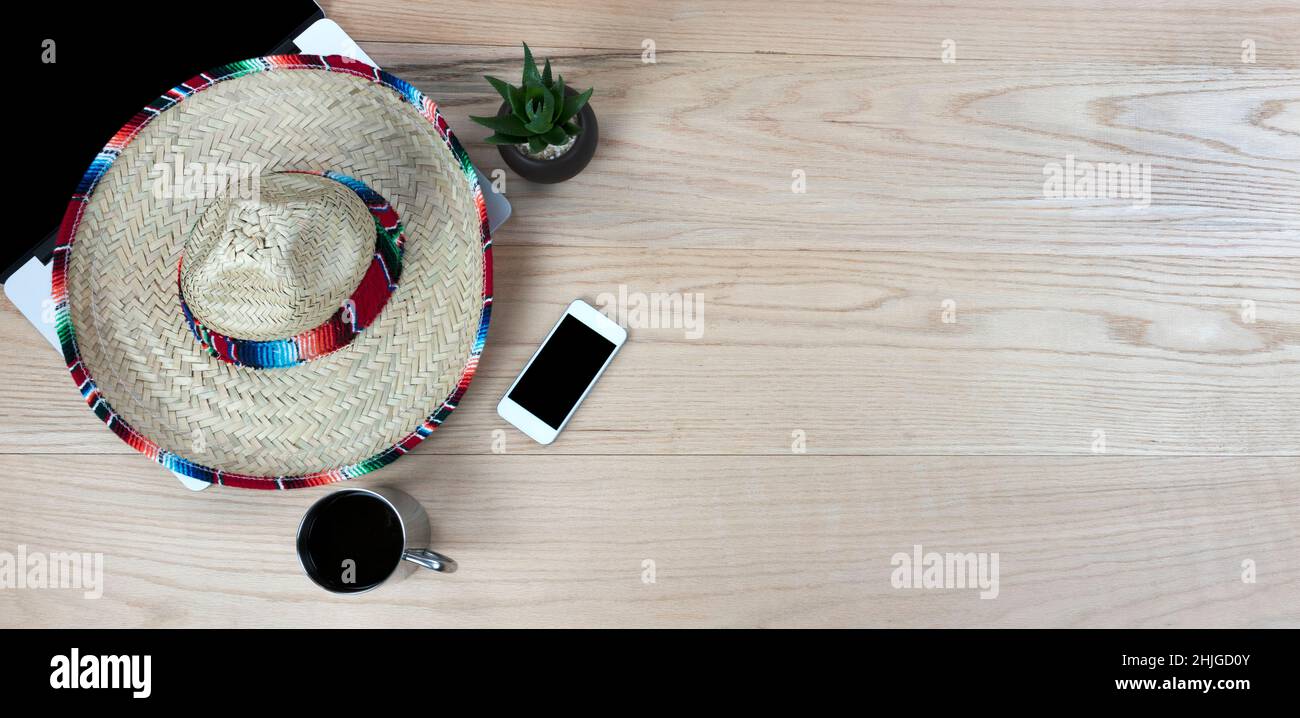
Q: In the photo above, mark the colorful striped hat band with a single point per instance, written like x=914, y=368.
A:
x=311, y=321
x=265, y=260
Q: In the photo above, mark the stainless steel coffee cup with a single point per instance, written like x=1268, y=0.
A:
x=355, y=540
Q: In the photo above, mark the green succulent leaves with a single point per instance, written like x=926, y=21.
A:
x=540, y=112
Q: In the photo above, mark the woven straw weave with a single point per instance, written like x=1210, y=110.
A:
x=338, y=409
x=280, y=265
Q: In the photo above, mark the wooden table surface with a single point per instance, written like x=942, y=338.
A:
x=951, y=347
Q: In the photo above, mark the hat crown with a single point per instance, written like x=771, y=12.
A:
x=278, y=264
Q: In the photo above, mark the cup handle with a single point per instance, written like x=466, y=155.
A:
x=429, y=559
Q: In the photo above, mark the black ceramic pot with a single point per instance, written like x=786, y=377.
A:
x=566, y=165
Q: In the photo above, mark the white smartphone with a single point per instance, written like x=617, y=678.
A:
x=561, y=373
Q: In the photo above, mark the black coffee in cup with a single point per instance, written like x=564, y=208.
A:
x=351, y=541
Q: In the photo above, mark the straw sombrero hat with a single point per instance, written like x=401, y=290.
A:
x=306, y=323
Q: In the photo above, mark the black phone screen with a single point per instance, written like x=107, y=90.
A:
x=562, y=371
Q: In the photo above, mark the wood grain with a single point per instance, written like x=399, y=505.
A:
x=700, y=150
x=736, y=541
x=852, y=349
x=1174, y=329
x=1205, y=32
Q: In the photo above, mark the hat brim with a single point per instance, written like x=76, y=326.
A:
x=336, y=417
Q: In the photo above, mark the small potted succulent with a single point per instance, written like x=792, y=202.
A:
x=544, y=130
